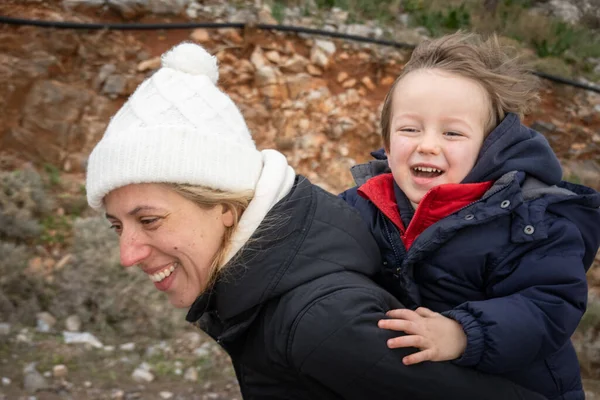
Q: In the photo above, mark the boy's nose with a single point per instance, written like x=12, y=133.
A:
x=429, y=144
x=132, y=249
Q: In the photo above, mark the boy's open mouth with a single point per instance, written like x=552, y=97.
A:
x=426, y=172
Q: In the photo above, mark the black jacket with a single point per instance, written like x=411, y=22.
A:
x=297, y=312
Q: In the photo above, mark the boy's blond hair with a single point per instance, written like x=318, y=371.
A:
x=505, y=78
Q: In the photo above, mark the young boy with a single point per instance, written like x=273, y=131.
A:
x=478, y=233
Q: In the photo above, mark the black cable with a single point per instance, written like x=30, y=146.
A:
x=241, y=25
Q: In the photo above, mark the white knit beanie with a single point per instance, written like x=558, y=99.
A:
x=177, y=127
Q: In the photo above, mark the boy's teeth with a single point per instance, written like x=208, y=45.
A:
x=159, y=276
x=427, y=169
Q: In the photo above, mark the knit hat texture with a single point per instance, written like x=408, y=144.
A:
x=177, y=127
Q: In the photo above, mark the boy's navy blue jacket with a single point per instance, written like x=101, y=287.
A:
x=510, y=267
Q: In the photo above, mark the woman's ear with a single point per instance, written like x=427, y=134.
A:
x=227, y=216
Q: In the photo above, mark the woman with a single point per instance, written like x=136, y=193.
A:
x=275, y=269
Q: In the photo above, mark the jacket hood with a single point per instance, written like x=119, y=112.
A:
x=512, y=146
x=307, y=235
x=582, y=208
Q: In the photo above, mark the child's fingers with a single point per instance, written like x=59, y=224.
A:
x=401, y=325
x=403, y=313
x=425, y=312
x=406, y=341
x=419, y=357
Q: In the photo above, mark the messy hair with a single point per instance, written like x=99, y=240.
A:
x=207, y=198
x=503, y=75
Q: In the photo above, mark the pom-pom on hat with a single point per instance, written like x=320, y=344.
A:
x=177, y=127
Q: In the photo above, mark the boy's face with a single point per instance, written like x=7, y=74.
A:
x=437, y=128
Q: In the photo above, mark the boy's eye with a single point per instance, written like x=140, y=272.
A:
x=453, y=133
x=116, y=228
x=409, y=130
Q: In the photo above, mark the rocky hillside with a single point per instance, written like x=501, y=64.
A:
x=315, y=99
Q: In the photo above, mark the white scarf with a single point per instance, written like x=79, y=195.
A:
x=275, y=182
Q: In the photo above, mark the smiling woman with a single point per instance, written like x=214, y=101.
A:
x=275, y=269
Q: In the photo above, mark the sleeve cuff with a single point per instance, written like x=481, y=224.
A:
x=474, y=332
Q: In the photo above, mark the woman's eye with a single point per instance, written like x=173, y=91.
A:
x=148, y=221
x=115, y=227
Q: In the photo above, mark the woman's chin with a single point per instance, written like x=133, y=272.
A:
x=181, y=302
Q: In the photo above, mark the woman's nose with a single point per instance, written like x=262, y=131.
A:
x=133, y=250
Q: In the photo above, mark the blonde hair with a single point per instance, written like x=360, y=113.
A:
x=504, y=76
x=208, y=198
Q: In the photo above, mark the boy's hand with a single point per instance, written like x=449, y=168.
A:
x=439, y=338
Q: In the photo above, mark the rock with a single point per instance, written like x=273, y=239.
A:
x=585, y=172
x=66, y=259
x=73, y=323
x=33, y=381
x=45, y=322
x=166, y=395
x=131, y=9
x=59, y=371
x=300, y=84
x=368, y=83
x=342, y=76
x=166, y=7
x=319, y=57
x=565, y=10
x=191, y=340
x=543, y=127
x=265, y=16
x=45, y=134
x=409, y=36
x=265, y=76
x=387, y=81
x=295, y=64
x=274, y=94
x=24, y=336
x=350, y=83
x=338, y=16
x=191, y=374
x=231, y=35
x=128, y=9
x=127, y=346
x=87, y=3
x=257, y=58
x=342, y=126
x=314, y=71
x=4, y=329
x=325, y=45
x=105, y=71
x=149, y=65
x=6, y=381
x=115, y=85
x=200, y=35
x=303, y=124
x=82, y=337
x=201, y=352
x=359, y=30
x=142, y=374
x=273, y=56
x=191, y=13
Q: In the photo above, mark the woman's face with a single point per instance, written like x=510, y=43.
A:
x=169, y=237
